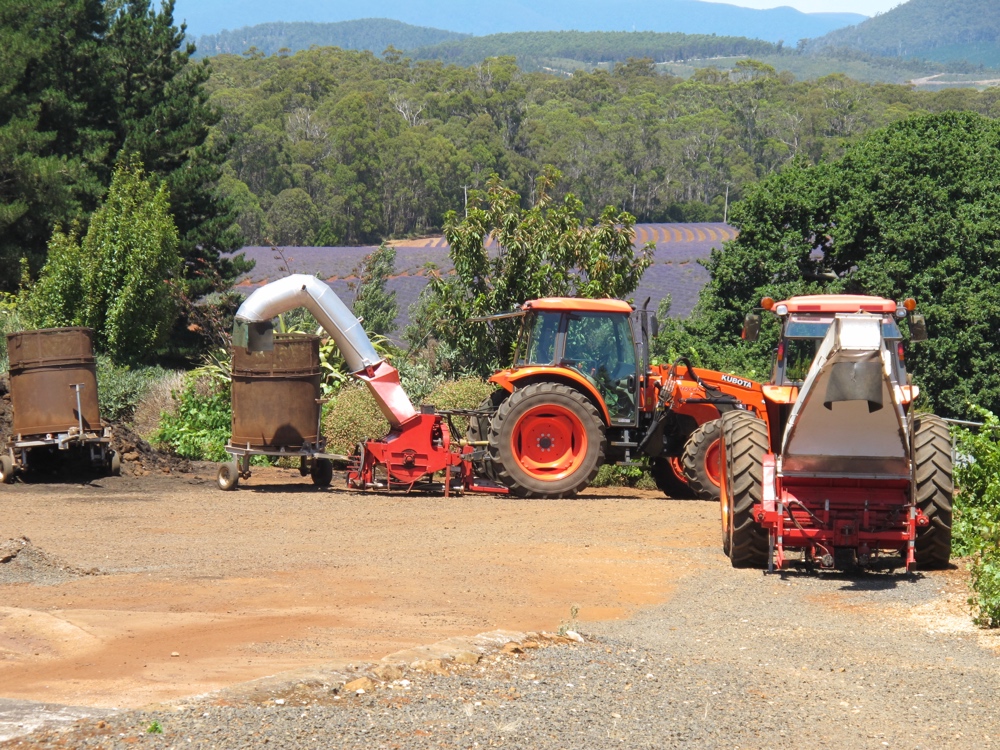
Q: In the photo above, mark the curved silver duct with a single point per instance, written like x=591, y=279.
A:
x=302, y=290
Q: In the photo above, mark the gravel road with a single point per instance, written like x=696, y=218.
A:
x=726, y=659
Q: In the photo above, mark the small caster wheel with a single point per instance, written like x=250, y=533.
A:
x=6, y=469
x=322, y=472
x=114, y=464
x=228, y=476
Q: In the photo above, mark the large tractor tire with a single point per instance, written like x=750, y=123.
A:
x=702, y=460
x=744, y=445
x=479, y=430
x=933, y=489
x=667, y=474
x=546, y=441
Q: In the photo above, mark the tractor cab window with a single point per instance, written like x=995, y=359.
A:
x=601, y=347
x=803, y=336
x=543, y=328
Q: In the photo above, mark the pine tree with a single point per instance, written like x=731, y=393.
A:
x=52, y=133
x=164, y=117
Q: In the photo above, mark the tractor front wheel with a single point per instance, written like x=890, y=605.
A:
x=701, y=460
x=669, y=478
x=933, y=489
x=546, y=441
x=744, y=445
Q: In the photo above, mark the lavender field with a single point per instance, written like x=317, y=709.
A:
x=675, y=270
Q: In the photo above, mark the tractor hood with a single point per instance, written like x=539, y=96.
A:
x=847, y=419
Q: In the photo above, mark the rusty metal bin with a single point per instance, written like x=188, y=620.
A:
x=275, y=394
x=45, y=365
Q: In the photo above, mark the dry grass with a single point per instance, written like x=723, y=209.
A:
x=158, y=399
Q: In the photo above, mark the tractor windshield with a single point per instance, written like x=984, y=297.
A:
x=802, y=337
x=540, y=348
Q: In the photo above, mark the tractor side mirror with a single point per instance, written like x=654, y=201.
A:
x=918, y=327
x=751, y=327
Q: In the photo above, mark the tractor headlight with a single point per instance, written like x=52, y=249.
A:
x=781, y=310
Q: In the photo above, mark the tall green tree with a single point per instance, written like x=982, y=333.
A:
x=53, y=137
x=913, y=210
x=548, y=249
x=375, y=305
x=162, y=114
x=121, y=280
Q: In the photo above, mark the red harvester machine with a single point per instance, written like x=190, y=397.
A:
x=840, y=469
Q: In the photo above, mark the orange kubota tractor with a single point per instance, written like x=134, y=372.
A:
x=839, y=470
x=582, y=393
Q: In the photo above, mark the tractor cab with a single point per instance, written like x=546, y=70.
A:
x=592, y=341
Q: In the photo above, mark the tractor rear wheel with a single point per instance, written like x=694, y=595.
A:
x=744, y=445
x=546, y=441
x=669, y=478
x=933, y=489
x=479, y=431
x=701, y=460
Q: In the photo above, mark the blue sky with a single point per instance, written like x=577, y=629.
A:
x=866, y=7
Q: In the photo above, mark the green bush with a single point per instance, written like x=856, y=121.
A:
x=976, y=526
x=200, y=426
x=610, y=475
x=120, y=389
x=466, y=393
x=351, y=418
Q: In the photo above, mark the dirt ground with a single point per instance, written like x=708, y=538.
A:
x=132, y=590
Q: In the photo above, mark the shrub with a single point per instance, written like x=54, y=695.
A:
x=121, y=389
x=465, y=393
x=976, y=527
x=610, y=475
x=351, y=418
x=200, y=427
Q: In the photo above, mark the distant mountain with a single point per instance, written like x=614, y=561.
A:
x=932, y=29
x=500, y=16
x=373, y=34
x=548, y=49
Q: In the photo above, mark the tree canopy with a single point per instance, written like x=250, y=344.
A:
x=83, y=83
x=540, y=251
x=913, y=210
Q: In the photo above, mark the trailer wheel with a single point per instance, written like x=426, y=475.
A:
x=667, y=474
x=322, y=472
x=114, y=464
x=933, y=489
x=479, y=431
x=744, y=445
x=228, y=476
x=702, y=460
x=6, y=469
x=546, y=441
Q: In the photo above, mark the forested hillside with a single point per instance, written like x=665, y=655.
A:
x=335, y=147
x=532, y=49
x=375, y=34
x=934, y=29
x=503, y=16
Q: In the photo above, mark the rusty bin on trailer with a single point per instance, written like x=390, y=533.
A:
x=275, y=394
x=45, y=367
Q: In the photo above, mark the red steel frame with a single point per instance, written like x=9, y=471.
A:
x=819, y=515
x=418, y=448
